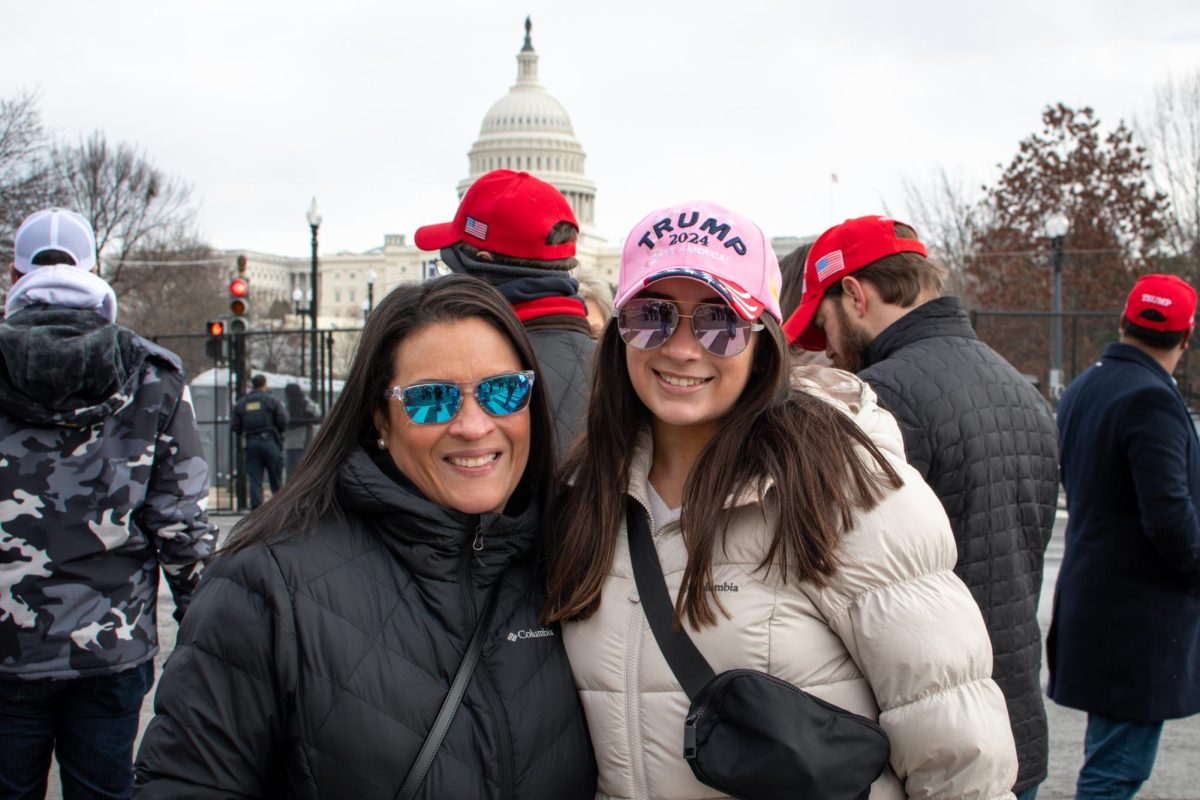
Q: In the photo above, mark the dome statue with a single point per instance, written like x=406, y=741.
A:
x=529, y=130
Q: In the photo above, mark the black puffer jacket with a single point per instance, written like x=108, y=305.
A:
x=985, y=440
x=314, y=667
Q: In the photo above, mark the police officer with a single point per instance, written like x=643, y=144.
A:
x=262, y=420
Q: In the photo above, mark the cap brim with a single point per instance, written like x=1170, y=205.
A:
x=742, y=303
x=799, y=328
x=435, y=237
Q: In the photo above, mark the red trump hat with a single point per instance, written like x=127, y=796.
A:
x=836, y=253
x=1161, y=303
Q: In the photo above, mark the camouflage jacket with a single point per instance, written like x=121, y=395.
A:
x=102, y=480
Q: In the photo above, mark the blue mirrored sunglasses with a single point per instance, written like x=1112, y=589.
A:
x=437, y=402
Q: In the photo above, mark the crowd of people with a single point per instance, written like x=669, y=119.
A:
x=559, y=541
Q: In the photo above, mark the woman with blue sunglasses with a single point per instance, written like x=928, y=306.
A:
x=325, y=650
x=792, y=537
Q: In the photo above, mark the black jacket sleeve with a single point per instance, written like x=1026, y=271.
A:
x=220, y=710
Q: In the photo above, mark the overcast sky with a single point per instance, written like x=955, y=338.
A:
x=372, y=106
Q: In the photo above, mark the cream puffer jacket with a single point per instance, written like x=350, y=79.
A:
x=894, y=636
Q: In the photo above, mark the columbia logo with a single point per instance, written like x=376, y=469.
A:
x=721, y=587
x=540, y=633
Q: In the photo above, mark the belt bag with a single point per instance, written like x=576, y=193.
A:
x=747, y=733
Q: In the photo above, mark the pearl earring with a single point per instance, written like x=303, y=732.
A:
x=382, y=444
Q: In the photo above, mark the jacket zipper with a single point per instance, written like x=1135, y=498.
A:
x=488, y=685
x=633, y=695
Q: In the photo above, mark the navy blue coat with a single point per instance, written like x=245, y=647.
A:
x=1125, y=638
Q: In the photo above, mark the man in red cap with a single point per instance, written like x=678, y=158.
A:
x=1124, y=642
x=975, y=428
x=518, y=233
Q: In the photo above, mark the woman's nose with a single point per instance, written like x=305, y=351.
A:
x=471, y=422
x=683, y=344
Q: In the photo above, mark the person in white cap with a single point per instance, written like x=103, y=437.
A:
x=103, y=482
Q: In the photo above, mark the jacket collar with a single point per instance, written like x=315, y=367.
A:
x=429, y=539
x=936, y=319
x=1120, y=351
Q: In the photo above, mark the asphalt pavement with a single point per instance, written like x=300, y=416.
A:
x=1176, y=773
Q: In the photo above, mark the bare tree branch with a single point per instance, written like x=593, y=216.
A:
x=1172, y=137
x=127, y=198
x=948, y=217
x=26, y=175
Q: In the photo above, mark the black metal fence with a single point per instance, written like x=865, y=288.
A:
x=282, y=356
x=1025, y=338
x=285, y=356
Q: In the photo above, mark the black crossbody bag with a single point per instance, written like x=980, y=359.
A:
x=433, y=741
x=747, y=733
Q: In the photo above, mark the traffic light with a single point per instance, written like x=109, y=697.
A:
x=239, y=298
x=214, y=345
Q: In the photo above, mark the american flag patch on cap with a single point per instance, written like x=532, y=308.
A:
x=829, y=264
x=476, y=228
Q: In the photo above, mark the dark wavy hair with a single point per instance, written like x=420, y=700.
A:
x=811, y=451
x=350, y=423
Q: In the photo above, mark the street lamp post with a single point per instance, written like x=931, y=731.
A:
x=372, y=276
x=314, y=222
x=366, y=309
x=1056, y=230
x=299, y=309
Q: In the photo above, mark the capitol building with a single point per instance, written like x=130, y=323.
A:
x=527, y=130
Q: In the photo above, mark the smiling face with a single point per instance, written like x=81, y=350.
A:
x=682, y=384
x=474, y=462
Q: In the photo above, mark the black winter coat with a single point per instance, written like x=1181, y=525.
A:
x=314, y=667
x=984, y=439
x=1125, y=638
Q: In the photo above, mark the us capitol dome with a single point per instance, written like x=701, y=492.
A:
x=528, y=129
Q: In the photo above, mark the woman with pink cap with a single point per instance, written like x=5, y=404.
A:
x=788, y=532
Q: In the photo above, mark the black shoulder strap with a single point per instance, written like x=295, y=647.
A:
x=420, y=767
x=689, y=666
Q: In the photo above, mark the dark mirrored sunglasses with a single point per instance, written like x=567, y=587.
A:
x=647, y=323
x=436, y=402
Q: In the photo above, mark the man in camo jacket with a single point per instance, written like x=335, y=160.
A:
x=102, y=481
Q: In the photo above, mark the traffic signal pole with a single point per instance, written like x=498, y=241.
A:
x=239, y=323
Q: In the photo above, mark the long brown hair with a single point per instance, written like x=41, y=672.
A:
x=350, y=423
x=805, y=446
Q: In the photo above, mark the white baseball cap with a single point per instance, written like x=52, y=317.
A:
x=54, y=229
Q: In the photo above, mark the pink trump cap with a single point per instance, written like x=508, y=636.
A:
x=703, y=242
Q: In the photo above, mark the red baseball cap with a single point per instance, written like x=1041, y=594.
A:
x=836, y=253
x=1171, y=301
x=505, y=212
